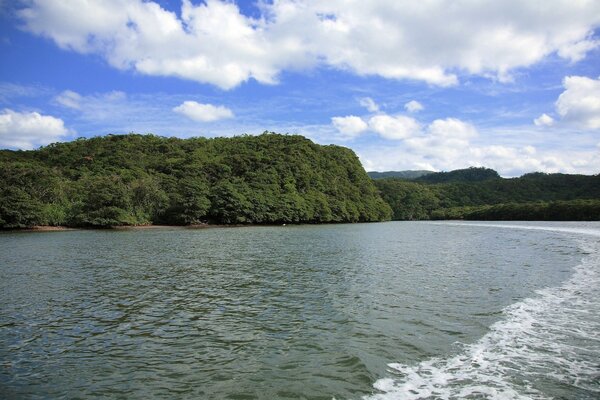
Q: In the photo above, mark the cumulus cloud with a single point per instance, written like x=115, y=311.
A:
x=444, y=139
x=369, y=104
x=350, y=126
x=452, y=128
x=446, y=144
x=395, y=128
x=544, y=120
x=579, y=104
x=213, y=42
x=29, y=129
x=413, y=106
x=203, y=112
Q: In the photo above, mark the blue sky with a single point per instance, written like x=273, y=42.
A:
x=512, y=85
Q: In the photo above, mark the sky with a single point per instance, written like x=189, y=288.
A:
x=512, y=85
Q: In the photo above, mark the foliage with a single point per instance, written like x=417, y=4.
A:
x=532, y=196
x=570, y=210
x=472, y=174
x=141, y=179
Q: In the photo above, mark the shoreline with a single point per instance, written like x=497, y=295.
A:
x=51, y=228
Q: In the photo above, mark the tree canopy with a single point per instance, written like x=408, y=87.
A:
x=534, y=196
x=144, y=179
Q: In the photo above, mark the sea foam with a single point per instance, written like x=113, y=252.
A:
x=544, y=346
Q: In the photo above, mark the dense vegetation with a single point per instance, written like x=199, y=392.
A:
x=144, y=179
x=460, y=175
x=468, y=194
x=571, y=210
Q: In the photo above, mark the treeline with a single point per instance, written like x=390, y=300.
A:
x=535, y=196
x=571, y=210
x=472, y=174
x=144, y=179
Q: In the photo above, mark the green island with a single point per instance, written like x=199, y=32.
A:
x=135, y=180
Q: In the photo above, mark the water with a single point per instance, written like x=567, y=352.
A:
x=394, y=310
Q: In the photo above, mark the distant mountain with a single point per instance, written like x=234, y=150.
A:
x=472, y=174
x=412, y=174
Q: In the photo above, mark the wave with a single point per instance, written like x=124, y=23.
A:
x=543, y=347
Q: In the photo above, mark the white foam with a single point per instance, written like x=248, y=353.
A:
x=577, y=231
x=550, y=339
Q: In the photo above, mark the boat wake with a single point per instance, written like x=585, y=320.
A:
x=543, y=347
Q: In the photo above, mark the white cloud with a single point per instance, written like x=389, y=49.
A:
x=529, y=150
x=69, y=99
x=544, y=120
x=506, y=159
x=579, y=104
x=30, y=129
x=369, y=104
x=214, y=43
x=444, y=140
x=452, y=128
x=203, y=112
x=447, y=144
x=413, y=106
x=399, y=127
x=576, y=52
x=108, y=107
x=350, y=126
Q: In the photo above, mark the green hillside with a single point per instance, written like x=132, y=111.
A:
x=535, y=196
x=143, y=179
x=472, y=174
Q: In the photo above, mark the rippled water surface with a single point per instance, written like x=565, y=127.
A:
x=393, y=310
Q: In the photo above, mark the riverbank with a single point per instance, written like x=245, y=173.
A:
x=48, y=228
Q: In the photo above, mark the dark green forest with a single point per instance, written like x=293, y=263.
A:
x=480, y=193
x=118, y=180
x=121, y=180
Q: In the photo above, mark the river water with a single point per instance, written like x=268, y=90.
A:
x=398, y=310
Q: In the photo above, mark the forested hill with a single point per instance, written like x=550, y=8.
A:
x=535, y=196
x=411, y=174
x=472, y=174
x=143, y=179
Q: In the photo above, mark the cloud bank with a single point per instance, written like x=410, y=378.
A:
x=213, y=42
x=451, y=143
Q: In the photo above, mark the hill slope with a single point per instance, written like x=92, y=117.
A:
x=143, y=179
x=472, y=174
x=536, y=196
